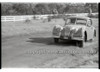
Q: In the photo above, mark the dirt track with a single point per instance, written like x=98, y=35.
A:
x=39, y=50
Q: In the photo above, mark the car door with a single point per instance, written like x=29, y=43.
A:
x=89, y=29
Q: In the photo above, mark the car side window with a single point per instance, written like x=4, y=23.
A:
x=89, y=23
x=70, y=21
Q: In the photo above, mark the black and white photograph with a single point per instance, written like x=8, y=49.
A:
x=49, y=35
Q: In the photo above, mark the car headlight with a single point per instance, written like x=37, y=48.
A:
x=78, y=33
x=56, y=30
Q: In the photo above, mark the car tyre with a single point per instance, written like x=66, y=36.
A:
x=92, y=39
x=94, y=33
x=93, y=36
x=81, y=44
x=56, y=40
x=85, y=37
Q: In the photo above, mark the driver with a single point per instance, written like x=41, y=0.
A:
x=70, y=21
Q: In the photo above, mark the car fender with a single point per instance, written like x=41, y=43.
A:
x=57, y=30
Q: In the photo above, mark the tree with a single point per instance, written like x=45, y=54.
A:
x=5, y=8
x=47, y=8
x=66, y=8
x=21, y=8
x=91, y=7
x=42, y=9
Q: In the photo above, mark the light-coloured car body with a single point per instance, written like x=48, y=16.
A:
x=75, y=28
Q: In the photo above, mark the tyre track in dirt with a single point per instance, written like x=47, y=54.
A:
x=16, y=50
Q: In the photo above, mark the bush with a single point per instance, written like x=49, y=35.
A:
x=93, y=15
x=27, y=20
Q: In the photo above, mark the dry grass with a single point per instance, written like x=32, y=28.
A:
x=16, y=28
x=34, y=26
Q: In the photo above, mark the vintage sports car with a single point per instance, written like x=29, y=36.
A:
x=75, y=28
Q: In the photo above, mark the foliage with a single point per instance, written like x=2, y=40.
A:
x=93, y=16
x=47, y=8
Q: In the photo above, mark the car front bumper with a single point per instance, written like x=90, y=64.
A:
x=68, y=38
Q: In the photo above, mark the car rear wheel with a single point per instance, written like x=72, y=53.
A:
x=94, y=33
x=85, y=37
x=56, y=40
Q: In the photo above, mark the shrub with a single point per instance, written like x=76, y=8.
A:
x=27, y=20
x=93, y=15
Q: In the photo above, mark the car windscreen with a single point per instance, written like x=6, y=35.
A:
x=70, y=21
x=75, y=21
x=81, y=21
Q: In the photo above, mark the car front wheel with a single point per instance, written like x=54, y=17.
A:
x=56, y=40
x=81, y=43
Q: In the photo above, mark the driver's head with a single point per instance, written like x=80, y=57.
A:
x=73, y=20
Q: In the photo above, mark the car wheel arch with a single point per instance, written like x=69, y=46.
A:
x=85, y=35
x=94, y=33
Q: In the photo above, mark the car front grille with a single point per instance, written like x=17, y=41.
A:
x=71, y=33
